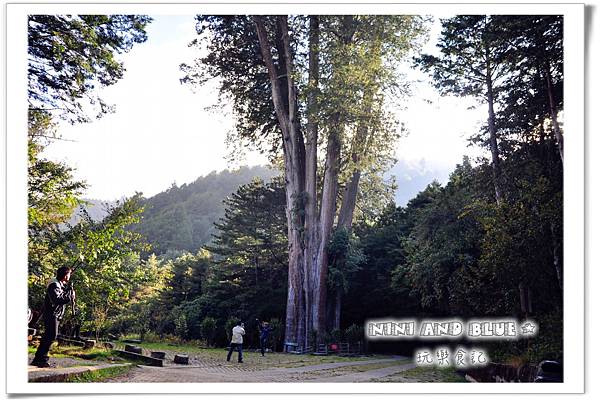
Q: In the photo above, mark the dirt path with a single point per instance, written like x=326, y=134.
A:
x=232, y=372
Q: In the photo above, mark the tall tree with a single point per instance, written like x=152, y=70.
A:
x=249, y=273
x=345, y=258
x=514, y=64
x=300, y=84
x=535, y=93
x=68, y=57
x=474, y=61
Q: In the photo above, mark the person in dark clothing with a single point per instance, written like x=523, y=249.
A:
x=264, y=330
x=57, y=296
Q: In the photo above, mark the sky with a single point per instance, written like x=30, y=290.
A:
x=162, y=132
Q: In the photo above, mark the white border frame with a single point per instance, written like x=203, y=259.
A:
x=16, y=197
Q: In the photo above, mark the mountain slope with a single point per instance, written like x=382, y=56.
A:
x=181, y=218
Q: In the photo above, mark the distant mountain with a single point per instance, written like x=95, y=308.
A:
x=97, y=209
x=181, y=218
x=412, y=178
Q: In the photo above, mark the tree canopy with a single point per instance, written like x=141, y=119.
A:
x=300, y=85
x=70, y=56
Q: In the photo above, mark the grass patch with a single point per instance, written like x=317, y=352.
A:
x=100, y=375
x=155, y=346
x=91, y=354
x=424, y=375
x=251, y=358
x=370, y=366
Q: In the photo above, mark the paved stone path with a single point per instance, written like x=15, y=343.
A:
x=219, y=373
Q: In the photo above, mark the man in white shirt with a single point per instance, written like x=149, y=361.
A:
x=237, y=340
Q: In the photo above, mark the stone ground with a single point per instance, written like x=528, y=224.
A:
x=210, y=366
x=59, y=363
x=219, y=372
x=63, y=368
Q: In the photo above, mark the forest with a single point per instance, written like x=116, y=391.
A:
x=315, y=244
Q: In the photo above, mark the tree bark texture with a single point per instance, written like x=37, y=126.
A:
x=293, y=150
x=309, y=223
x=311, y=233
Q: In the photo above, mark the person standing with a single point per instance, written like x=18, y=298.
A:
x=237, y=340
x=57, y=296
x=264, y=330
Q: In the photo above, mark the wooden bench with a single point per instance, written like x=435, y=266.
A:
x=290, y=347
x=321, y=350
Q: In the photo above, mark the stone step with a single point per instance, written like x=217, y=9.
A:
x=182, y=359
x=146, y=360
x=63, y=374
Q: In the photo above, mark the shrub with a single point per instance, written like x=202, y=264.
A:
x=353, y=333
x=208, y=328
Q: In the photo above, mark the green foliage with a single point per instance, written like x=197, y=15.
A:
x=167, y=304
x=453, y=250
x=180, y=320
x=359, y=59
x=277, y=332
x=245, y=274
x=110, y=269
x=182, y=218
x=354, y=333
x=442, y=243
x=70, y=55
x=524, y=55
x=250, y=251
x=234, y=56
x=469, y=44
x=52, y=195
x=208, y=328
x=106, y=255
x=345, y=259
x=537, y=58
x=378, y=290
x=99, y=375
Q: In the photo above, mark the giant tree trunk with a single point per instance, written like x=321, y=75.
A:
x=327, y=215
x=328, y=206
x=349, y=201
x=309, y=228
x=311, y=233
x=294, y=154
